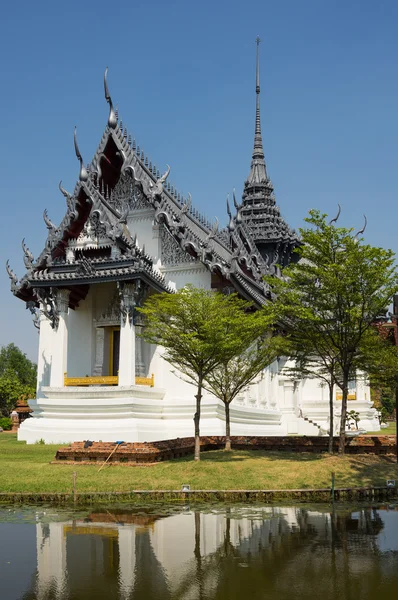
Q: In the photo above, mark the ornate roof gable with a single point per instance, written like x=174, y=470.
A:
x=119, y=179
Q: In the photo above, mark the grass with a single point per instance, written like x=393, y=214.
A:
x=390, y=430
x=26, y=468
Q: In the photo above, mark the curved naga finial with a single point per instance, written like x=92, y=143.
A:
x=83, y=175
x=50, y=225
x=165, y=175
x=361, y=231
x=235, y=202
x=112, y=119
x=187, y=206
x=237, y=207
x=228, y=208
x=337, y=216
x=213, y=231
x=231, y=224
x=157, y=189
x=13, y=278
x=28, y=256
x=70, y=202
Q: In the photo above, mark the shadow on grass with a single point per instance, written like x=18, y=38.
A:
x=243, y=455
x=376, y=474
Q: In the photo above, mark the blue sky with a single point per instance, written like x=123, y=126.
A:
x=183, y=77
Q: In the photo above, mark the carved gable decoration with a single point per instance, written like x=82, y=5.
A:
x=111, y=315
x=127, y=196
x=171, y=253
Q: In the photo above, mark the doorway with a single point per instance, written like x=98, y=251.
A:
x=114, y=352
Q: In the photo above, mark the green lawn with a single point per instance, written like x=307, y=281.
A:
x=390, y=430
x=26, y=468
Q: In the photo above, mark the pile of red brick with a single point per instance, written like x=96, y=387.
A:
x=152, y=452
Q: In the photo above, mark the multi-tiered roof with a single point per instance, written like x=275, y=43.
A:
x=93, y=243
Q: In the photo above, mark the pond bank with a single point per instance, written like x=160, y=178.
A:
x=376, y=493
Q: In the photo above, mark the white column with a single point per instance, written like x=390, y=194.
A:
x=127, y=336
x=60, y=340
x=289, y=406
x=44, y=357
x=139, y=359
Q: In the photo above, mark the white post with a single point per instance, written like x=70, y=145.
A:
x=139, y=361
x=127, y=336
x=289, y=407
x=60, y=340
x=99, y=351
x=44, y=357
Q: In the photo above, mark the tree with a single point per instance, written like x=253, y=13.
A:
x=329, y=299
x=197, y=328
x=17, y=377
x=234, y=375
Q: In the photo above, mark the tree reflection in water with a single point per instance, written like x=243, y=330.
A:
x=233, y=553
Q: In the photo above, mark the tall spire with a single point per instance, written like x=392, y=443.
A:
x=258, y=172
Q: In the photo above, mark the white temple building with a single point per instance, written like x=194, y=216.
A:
x=127, y=233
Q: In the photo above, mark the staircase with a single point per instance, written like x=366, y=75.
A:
x=322, y=430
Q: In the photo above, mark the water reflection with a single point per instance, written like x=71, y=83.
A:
x=234, y=552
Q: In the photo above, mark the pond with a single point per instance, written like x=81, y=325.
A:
x=214, y=552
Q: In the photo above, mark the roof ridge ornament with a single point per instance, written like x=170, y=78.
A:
x=83, y=175
x=13, y=278
x=337, y=216
x=49, y=224
x=231, y=224
x=112, y=118
x=70, y=201
x=28, y=256
x=361, y=231
x=213, y=231
x=157, y=189
x=237, y=207
x=186, y=207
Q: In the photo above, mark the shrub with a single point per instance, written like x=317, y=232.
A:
x=5, y=423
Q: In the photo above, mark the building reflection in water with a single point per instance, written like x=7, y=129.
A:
x=257, y=552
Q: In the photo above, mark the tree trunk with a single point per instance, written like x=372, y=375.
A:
x=343, y=415
x=331, y=418
x=196, y=420
x=227, y=429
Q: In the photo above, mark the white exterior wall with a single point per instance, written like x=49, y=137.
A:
x=194, y=274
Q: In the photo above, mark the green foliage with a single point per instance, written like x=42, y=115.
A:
x=235, y=374
x=15, y=361
x=196, y=327
x=199, y=331
x=352, y=416
x=17, y=378
x=387, y=401
x=5, y=423
x=328, y=301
